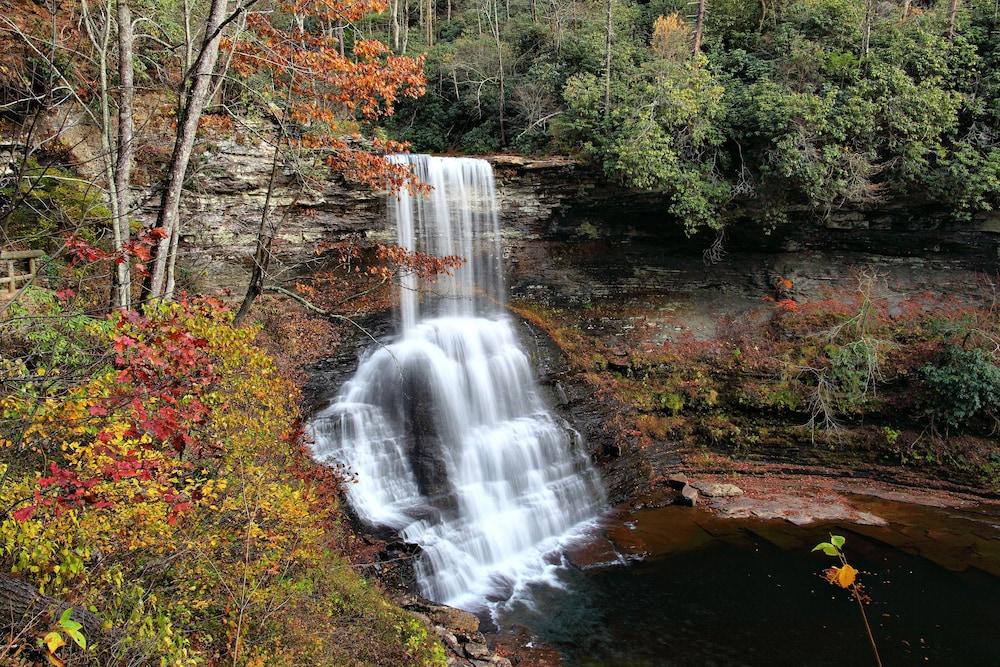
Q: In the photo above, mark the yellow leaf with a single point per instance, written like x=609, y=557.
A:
x=53, y=641
x=846, y=576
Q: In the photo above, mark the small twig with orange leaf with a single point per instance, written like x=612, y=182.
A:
x=846, y=576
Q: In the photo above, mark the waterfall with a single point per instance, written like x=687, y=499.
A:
x=444, y=428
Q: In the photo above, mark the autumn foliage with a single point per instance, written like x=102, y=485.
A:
x=331, y=87
x=167, y=487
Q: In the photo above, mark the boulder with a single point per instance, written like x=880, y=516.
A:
x=474, y=650
x=677, y=481
x=448, y=639
x=456, y=620
x=688, y=496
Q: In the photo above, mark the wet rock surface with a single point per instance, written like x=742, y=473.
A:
x=573, y=400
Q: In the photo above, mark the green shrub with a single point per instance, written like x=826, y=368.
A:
x=963, y=387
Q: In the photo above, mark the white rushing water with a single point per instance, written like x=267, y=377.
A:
x=444, y=428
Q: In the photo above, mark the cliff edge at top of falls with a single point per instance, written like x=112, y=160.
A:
x=229, y=182
x=556, y=197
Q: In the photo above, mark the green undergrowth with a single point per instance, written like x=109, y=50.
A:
x=848, y=379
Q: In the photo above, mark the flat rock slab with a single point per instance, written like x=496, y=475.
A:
x=718, y=489
x=794, y=509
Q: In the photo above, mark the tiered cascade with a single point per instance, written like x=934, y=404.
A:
x=444, y=429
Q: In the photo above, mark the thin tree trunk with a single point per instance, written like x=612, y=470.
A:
x=866, y=27
x=168, y=218
x=265, y=231
x=405, y=25
x=171, y=282
x=430, y=22
x=126, y=146
x=952, y=20
x=499, y=43
x=699, y=26
x=907, y=5
x=394, y=24
x=607, y=58
x=101, y=42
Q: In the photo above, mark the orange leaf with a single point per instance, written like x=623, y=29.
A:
x=846, y=576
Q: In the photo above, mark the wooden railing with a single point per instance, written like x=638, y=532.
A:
x=13, y=263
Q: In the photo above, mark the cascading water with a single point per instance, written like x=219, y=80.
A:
x=444, y=429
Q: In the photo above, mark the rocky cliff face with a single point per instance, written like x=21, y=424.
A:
x=227, y=189
x=549, y=207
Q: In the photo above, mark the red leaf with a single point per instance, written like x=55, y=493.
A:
x=24, y=513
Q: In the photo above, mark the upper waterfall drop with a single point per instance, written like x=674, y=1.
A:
x=445, y=429
x=458, y=217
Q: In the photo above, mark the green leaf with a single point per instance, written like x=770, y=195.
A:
x=77, y=638
x=827, y=548
x=72, y=628
x=837, y=540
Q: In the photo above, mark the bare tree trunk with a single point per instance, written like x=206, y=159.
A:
x=394, y=24
x=101, y=39
x=607, y=58
x=126, y=146
x=499, y=43
x=265, y=231
x=430, y=22
x=168, y=218
x=952, y=20
x=699, y=27
x=534, y=10
x=907, y=5
x=406, y=25
x=171, y=282
x=866, y=27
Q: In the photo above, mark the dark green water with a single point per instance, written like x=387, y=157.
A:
x=749, y=593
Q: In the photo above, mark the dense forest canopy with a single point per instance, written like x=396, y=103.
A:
x=818, y=102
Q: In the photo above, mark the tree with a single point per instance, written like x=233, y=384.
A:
x=699, y=27
x=607, y=58
x=952, y=19
x=198, y=77
x=318, y=86
x=122, y=292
